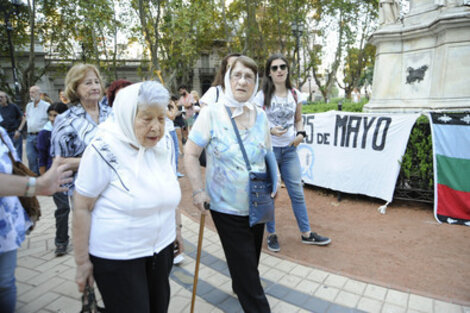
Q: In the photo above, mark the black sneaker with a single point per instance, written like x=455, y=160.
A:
x=273, y=244
x=61, y=250
x=316, y=239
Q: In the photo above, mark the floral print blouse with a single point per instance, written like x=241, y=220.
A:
x=226, y=172
x=13, y=219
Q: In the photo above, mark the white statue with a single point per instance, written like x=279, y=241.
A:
x=389, y=11
x=451, y=3
x=440, y=3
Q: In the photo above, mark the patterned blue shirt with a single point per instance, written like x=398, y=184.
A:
x=13, y=219
x=73, y=131
x=226, y=172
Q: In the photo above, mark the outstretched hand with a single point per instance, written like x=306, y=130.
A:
x=53, y=180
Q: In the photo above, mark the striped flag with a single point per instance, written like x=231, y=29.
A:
x=451, y=147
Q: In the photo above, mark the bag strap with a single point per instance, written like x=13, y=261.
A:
x=294, y=94
x=242, y=147
x=217, y=97
x=9, y=151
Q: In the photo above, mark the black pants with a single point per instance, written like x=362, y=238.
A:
x=61, y=201
x=138, y=285
x=242, y=247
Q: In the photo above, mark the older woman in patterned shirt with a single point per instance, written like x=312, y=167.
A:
x=227, y=176
x=76, y=127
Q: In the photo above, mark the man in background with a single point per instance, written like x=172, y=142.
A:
x=36, y=117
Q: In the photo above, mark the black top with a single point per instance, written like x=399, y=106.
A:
x=11, y=117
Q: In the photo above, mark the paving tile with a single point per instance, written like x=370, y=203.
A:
x=327, y=293
x=179, y=304
x=269, y=260
x=335, y=281
x=296, y=298
x=445, y=307
x=317, y=275
x=38, y=303
x=316, y=305
x=274, y=275
x=391, y=308
x=285, y=266
x=39, y=290
x=69, y=289
x=231, y=305
x=291, y=281
x=355, y=286
x=420, y=303
x=308, y=287
x=24, y=274
x=397, y=297
x=301, y=271
x=65, y=304
x=376, y=292
x=347, y=299
x=334, y=308
x=369, y=305
x=283, y=307
x=277, y=291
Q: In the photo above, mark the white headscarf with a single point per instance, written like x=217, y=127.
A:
x=118, y=129
x=230, y=100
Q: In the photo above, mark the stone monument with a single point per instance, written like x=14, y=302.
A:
x=422, y=59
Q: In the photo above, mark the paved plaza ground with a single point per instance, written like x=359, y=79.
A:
x=46, y=283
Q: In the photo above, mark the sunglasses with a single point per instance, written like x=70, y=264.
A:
x=283, y=67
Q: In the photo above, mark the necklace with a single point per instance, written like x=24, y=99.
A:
x=244, y=121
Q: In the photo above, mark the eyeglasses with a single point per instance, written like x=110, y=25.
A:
x=237, y=76
x=282, y=67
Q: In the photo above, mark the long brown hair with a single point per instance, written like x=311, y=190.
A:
x=219, y=77
x=268, y=85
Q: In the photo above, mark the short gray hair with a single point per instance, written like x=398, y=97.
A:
x=152, y=93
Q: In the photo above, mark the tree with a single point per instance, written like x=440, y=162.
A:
x=359, y=54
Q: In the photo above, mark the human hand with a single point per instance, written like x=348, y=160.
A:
x=52, y=180
x=16, y=135
x=297, y=140
x=179, y=242
x=278, y=130
x=201, y=200
x=84, y=275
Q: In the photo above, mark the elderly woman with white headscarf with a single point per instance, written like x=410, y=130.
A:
x=227, y=179
x=124, y=204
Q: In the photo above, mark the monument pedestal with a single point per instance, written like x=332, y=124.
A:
x=423, y=61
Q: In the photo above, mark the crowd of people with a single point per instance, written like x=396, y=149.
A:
x=113, y=159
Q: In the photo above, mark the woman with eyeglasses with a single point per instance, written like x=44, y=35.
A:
x=283, y=106
x=226, y=182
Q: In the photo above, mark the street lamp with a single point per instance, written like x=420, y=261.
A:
x=297, y=30
x=7, y=10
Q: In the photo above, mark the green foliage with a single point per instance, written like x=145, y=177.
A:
x=320, y=106
x=417, y=163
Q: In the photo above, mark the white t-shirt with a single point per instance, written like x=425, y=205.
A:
x=210, y=97
x=37, y=116
x=132, y=217
x=282, y=113
x=169, y=125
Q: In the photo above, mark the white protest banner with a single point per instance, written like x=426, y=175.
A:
x=355, y=152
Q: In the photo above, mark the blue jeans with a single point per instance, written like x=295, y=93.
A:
x=175, y=144
x=61, y=201
x=289, y=166
x=18, y=144
x=32, y=153
x=7, y=281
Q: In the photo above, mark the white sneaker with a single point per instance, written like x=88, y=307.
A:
x=178, y=259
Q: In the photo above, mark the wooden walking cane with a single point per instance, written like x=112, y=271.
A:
x=198, y=255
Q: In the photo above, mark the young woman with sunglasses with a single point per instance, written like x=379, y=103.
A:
x=283, y=106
